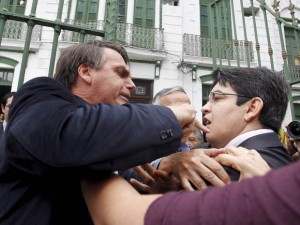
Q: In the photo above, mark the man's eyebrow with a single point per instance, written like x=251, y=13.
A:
x=122, y=70
x=217, y=91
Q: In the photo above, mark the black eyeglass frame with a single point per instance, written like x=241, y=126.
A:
x=222, y=93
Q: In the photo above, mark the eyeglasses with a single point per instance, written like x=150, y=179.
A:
x=213, y=96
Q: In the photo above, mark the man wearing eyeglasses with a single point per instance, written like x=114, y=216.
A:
x=246, y=108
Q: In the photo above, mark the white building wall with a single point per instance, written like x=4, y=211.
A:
x=177, y=20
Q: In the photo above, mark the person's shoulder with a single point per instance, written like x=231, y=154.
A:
x=40, y=84
x=41, y=80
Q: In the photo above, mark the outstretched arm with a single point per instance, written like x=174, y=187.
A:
x=113, y=201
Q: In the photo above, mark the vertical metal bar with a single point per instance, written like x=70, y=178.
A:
x=297, y=43
x=219, y=31
x=160, y=14
x=57, y=31
x=33, y=8
x=212, y=32
x=226, y=34
x=257, y=46
x=246, y=43
x=14, y=6
x=30, y=25
x=236, y=43
x=270, y=50
x=283, y=49
x=69, y=9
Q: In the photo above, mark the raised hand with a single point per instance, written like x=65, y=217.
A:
x=248, y=162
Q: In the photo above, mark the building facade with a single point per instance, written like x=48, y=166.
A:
x=169, y=42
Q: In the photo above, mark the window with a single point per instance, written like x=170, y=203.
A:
x=6, y=75
x=204, y=19
x=122, y=11
x=92, y=10
x=16, y=6
x=143, y=92
x=291, y=46
x=144, y=13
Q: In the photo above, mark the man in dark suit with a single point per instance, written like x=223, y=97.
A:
x=59, y=133
x=246, y=108
x=5, y=105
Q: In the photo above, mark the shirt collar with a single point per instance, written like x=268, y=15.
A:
x=235, y=142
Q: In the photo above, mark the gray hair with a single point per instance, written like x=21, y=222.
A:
x=165, y=92
x=90, y=53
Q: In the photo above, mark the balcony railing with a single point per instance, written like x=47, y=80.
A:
x=17, y=30
x=293, y=73
x=127, y=34
x=141, y=37
x=195, y=45
x=71, y=36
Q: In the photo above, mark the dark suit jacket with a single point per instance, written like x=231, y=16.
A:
x=268, y=146
x=1, y=129
x=55, y=139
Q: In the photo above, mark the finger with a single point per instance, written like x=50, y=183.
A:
x=159, y=174
x=148, y=168
x=236, y=151
x=212, y=171
x=140, y=187
x=201, y=127
x=186, y=184
x=147, y=179
x=228, y=160
x=197, y=182
x=213, y=174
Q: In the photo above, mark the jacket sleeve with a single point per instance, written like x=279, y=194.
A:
x=262, y=200
x=55, y=134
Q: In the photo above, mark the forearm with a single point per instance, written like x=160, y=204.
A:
x=114, y=201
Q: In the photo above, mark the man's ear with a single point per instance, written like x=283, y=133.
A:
x=255, y=106
x=84, y=72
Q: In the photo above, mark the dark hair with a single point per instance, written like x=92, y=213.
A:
x=261, y=82
x=90, y=53
x=6, y=97
x=165, y=92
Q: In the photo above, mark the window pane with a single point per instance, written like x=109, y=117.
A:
x=150, y=4
x=80, y=6
x=138, y=3
x=93, y=7
x=150, y=14
x=138, y=12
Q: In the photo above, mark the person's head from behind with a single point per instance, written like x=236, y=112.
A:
x=242, y=100
x=6, y=103
x=171, y=96
x=96, y=71
x=195, y=138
